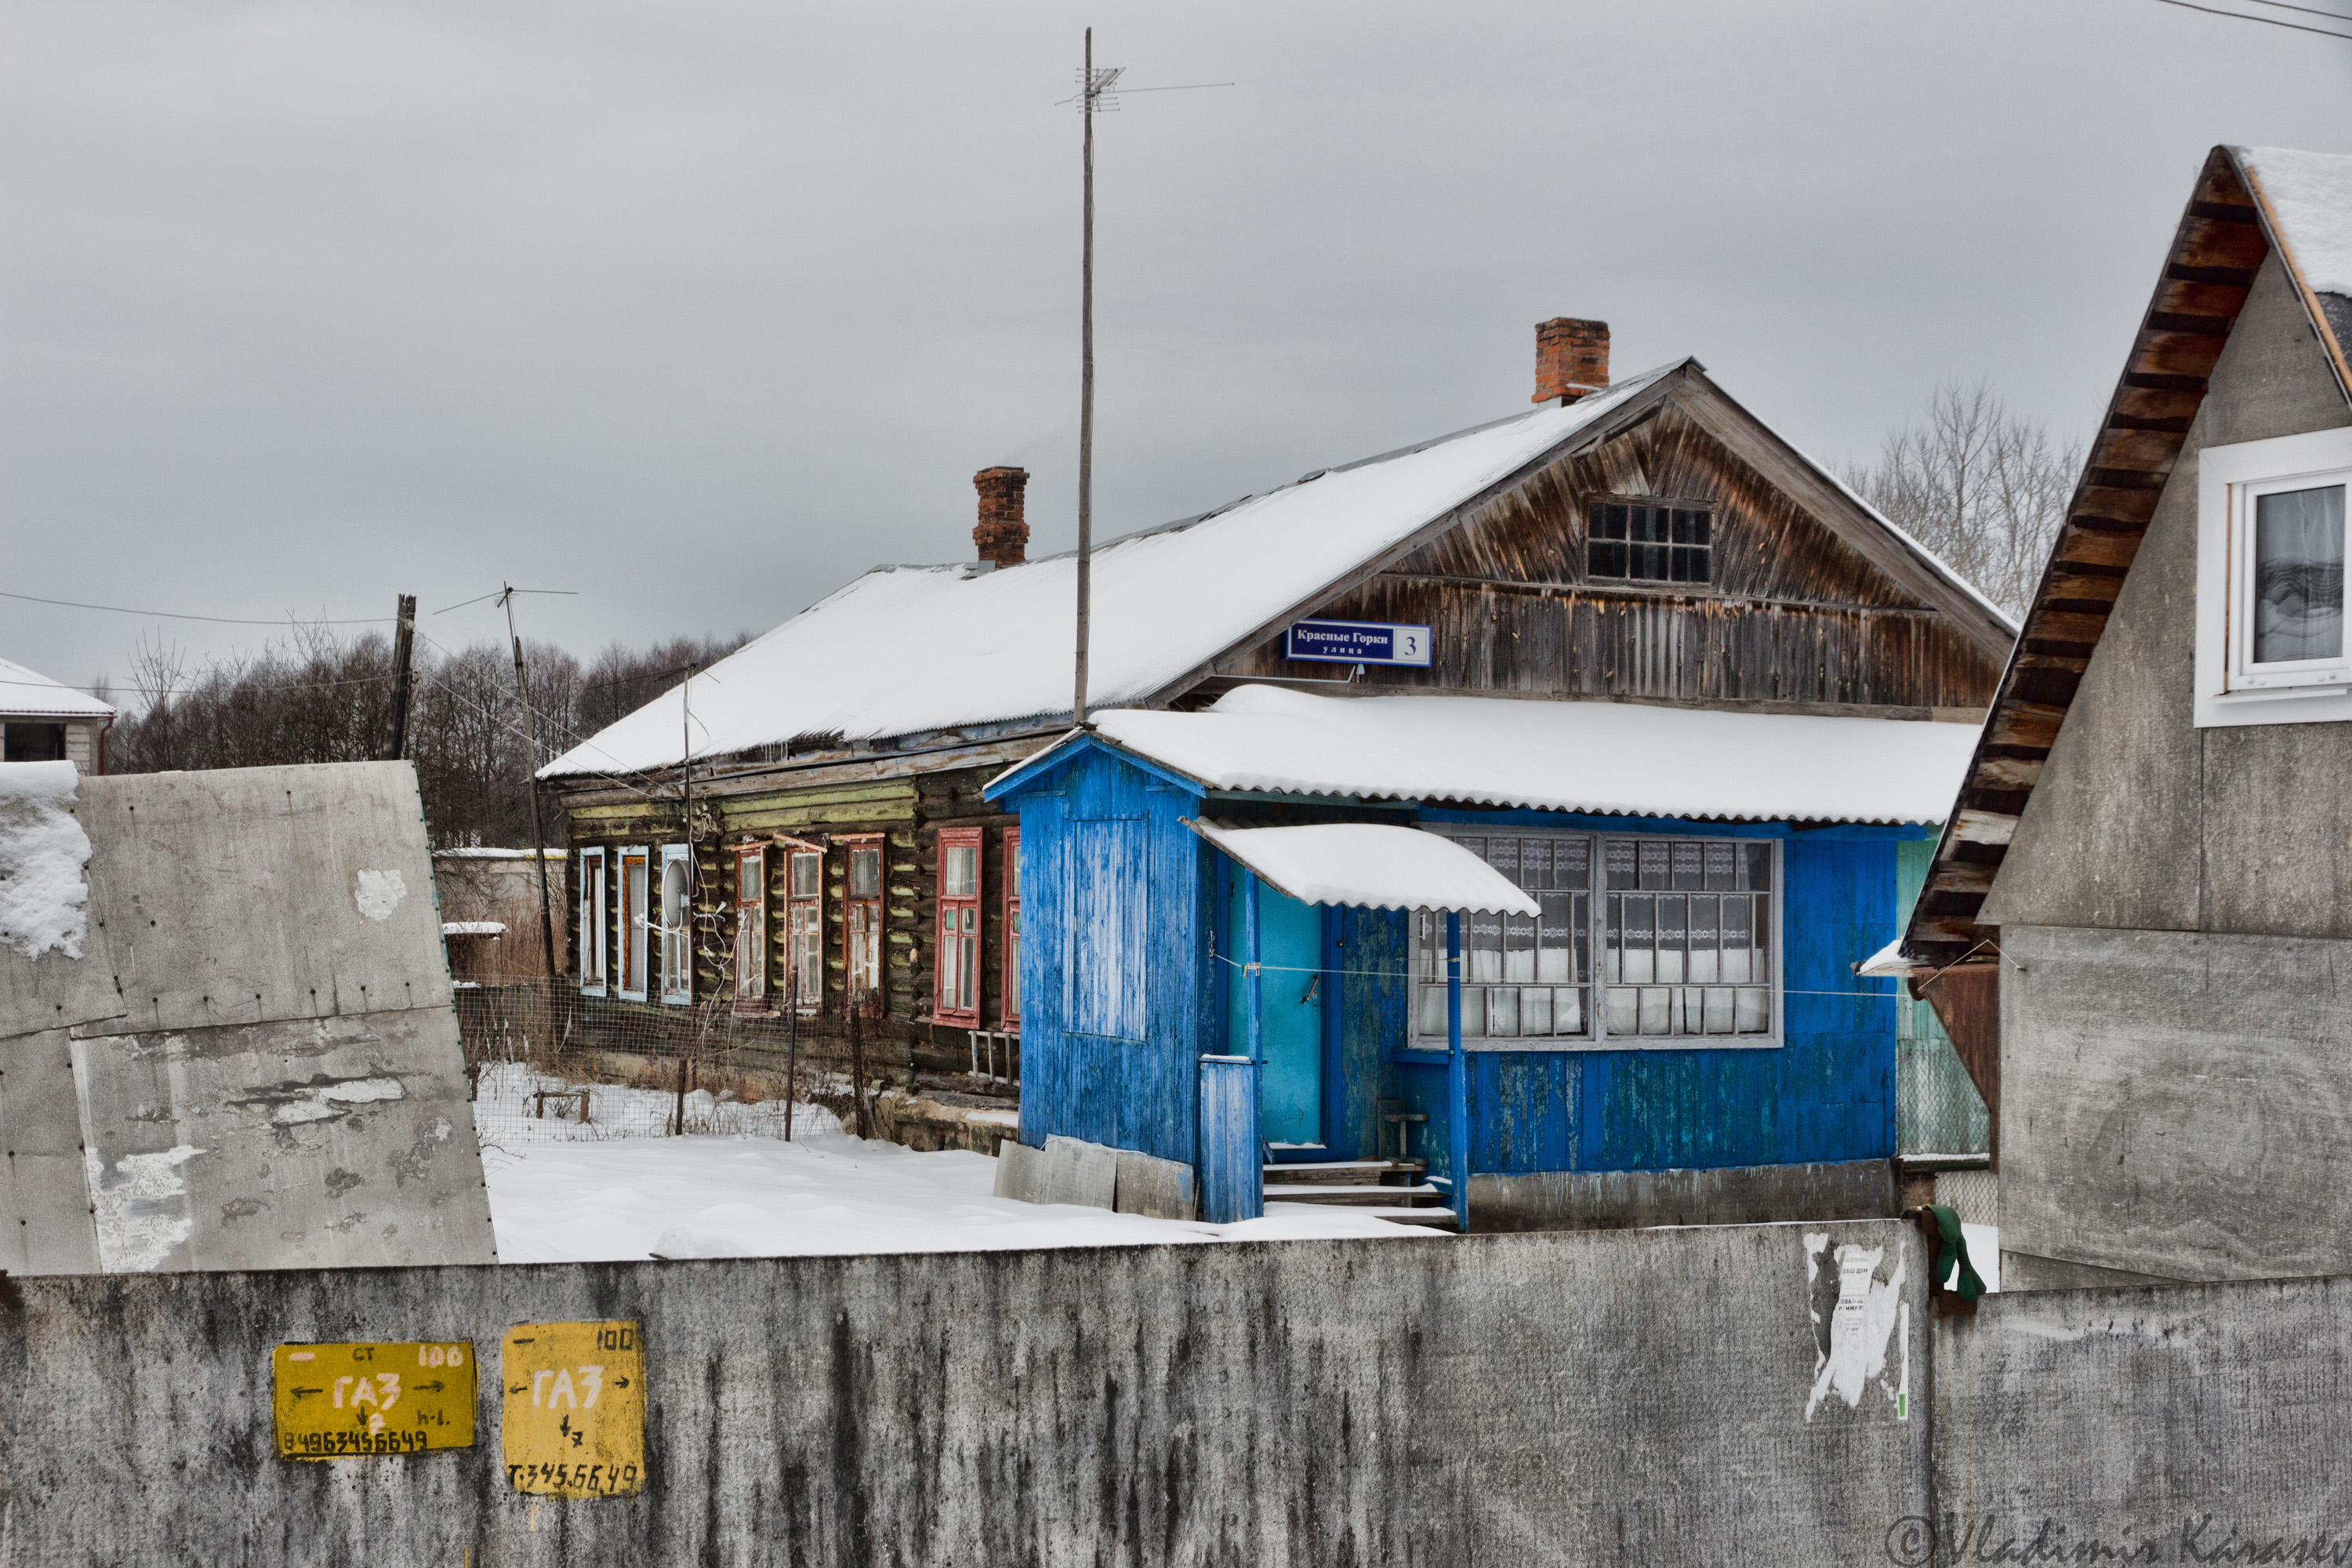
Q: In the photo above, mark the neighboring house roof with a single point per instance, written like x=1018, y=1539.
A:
x=906, y=651
x=28, y=694
x=2247, y=201
x=1369, y=865
x=1611, y=758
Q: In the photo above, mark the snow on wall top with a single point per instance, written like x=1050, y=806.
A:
x=29, y=693
x=1604, y=757
x=1370, y=865
x=2312, y=194
x=43, y=898
x=909, y=649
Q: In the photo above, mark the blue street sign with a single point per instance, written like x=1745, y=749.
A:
x=1357, y=642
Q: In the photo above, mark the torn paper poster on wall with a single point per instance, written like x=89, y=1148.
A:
x=43, y=898
x=1867, y=1318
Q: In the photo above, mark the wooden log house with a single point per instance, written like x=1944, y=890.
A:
x=1645, y=541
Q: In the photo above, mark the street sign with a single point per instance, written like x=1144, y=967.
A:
x=338, y=1401
x=574, y=1411
x=1357, y=642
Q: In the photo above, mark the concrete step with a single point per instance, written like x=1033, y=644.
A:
x=1344, y=1172
x=1334, y=1193
x=1438, y=1219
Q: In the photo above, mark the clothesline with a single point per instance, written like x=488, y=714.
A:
x=1265, y=968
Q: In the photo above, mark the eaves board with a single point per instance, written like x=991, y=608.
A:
x=2223, y=237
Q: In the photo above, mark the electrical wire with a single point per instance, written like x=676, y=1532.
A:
x=2270, y=21
x=217, y=620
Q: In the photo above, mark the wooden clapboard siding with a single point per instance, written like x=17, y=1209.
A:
x=1825, y=1095
x=1797, y=612
x=1112, y=960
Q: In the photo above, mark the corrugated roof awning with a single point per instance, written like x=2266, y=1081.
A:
x=1370, y=865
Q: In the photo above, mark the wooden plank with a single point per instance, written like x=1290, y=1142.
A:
x=2081, y=587
x=2134, y=506
x=2100, y=546
x=2025, y=724
x=2151, y=451
x=2005, y=773
x=1962, y=876
x=2203, y=242
x=2080, y=628
x=1984, y=826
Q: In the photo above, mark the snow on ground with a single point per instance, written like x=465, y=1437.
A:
x=563, y=1193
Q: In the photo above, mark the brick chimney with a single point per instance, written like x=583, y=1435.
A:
x=1572, y=358
x=1002, y=537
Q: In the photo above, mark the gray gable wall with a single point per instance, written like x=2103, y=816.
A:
x=2142, y=821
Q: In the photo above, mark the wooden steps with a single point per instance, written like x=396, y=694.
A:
x=1394, y=1190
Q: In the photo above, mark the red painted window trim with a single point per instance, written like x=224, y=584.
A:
x=957, y=963
x=1009, y=934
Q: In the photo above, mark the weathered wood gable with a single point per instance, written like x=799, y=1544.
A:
x=1810, y=602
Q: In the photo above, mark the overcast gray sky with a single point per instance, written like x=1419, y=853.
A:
x=699, y=307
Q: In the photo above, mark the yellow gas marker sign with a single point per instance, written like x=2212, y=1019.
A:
x=574, y=1412
x=337, y=1401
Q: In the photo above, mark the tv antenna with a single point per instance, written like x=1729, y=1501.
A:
x=1098, y=93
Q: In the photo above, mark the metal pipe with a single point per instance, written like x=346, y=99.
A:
x=1458, y=1077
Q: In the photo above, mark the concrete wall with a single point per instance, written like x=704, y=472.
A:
x=2205, y=1422
x=255, y=1063
x=2174, y=1105
x=1541, y=1399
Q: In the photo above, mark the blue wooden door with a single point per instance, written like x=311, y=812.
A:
x=1290, y=946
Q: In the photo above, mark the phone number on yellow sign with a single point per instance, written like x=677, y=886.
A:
x=606, y=1478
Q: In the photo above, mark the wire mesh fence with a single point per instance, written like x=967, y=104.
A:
x=1937, y=1110
x=575, y=1067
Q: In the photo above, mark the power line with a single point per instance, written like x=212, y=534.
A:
x=217, y=620
x=2306, y=10
x=2267, y=21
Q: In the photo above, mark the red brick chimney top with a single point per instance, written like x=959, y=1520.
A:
x=1572, y=359
x=1002, y=537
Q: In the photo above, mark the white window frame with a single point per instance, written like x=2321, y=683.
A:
x=2229, y=481
x=595, y=915
x=1598, y=1037
x=677, y=941
x=637, y=950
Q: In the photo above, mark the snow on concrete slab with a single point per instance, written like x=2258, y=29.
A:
x=560, y=1192
x=44, y=896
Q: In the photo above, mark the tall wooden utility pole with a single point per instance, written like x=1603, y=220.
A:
x=1091, y=89
x=530, y=783
x=404, y=644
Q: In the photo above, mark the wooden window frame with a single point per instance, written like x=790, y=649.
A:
x=750, y=928
x=636, y=935
x=1597, y=983
x=1008, y=996
x=957, y=992
x=677, y=939
x=854, y=904
x=804, y=932
x=592, y=927
x=1677, y=549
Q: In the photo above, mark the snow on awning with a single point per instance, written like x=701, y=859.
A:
x=473, y=928
x=1888, y=964
x=1606, y=758
x=1370, y=864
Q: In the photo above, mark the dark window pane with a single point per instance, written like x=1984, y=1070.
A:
x=1759, y=866
x=1649, y=523
x=1682, y=526
x=1654, y=860
x=1704, y=931
x=1682, y=565
x=1609, y=522
x=1535, y=863
x=1687, y=855
x=1606, y=560
x=1640, y=917
x=1503, y=854
x=1701, y=527
x=1620, y=865
x=1673, y=922
x=1571, y=863
x=1722, y=866
x=1734, y=922
x=1650, y=563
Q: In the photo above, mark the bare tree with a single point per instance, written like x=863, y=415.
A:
x=1984, y=489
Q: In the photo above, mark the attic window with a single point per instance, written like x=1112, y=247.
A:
x=2271, y=647
x=1650, y=541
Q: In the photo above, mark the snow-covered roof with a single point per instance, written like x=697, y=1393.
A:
x=2311, y=194
x=1373, y=865
x=1617, y=758
x=909, y=649
x=26, y=693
